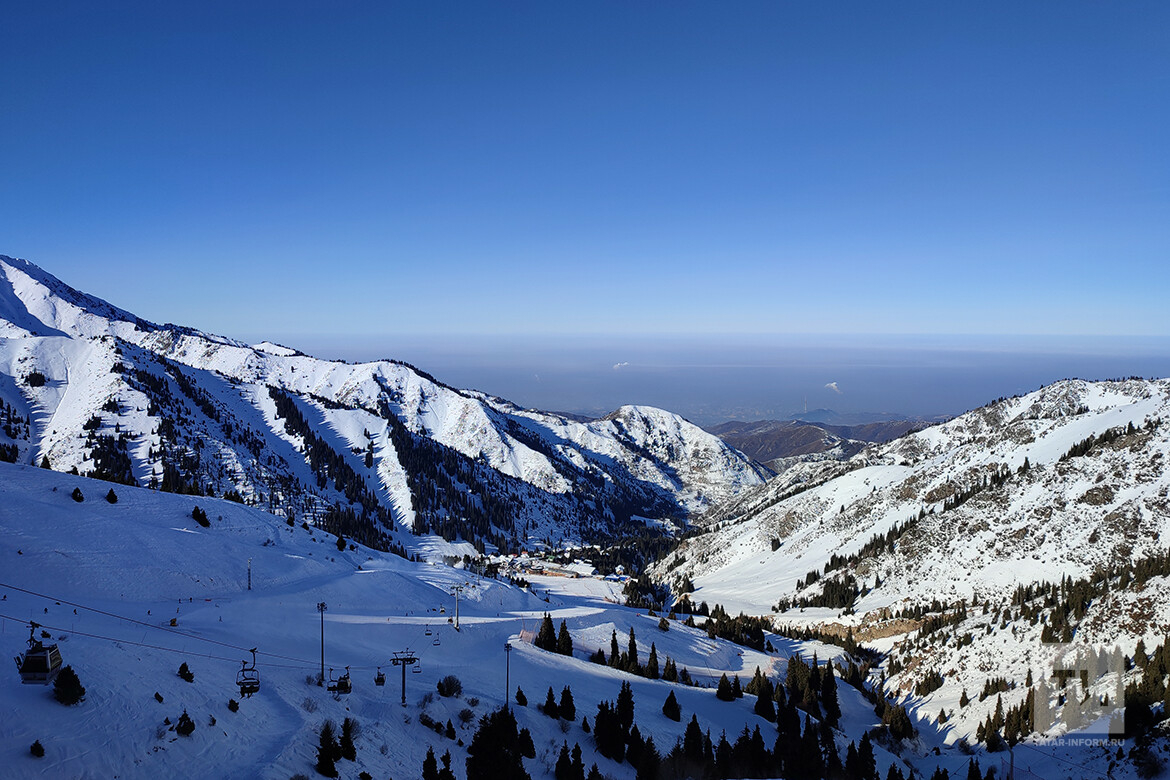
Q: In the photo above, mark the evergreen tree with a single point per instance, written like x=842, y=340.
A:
x=185, y=726
x=550, y=704
x=564, y=766
x=67, y=688
x=326, y=748
x=736, y=690
x=632, y=652
x=671, y=709
x=348, y=749
x=445, y=772
x=76, y=495
x=524, y=744
x=494, y=750
x=625, y=707
x=852, y=763
x=564, y=641
x=614, y=652
x=764, y=706
x=430, y=767
x=866, y=757
x=652, y=663
x=112, y=497
x=521, y=699
x=576, y=766
x=566, y=707
x=546, y=638
x=829, y=703
x=634, y=745
x=669, y=670
x=723, y=692
x=607, y=733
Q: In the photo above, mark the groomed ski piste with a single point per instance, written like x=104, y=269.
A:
x=131, y=590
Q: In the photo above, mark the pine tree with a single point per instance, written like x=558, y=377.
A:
x=521, y=699
x=652, y=663
x=614, y=652
x=736, y=690
x=564, y=766
x=185, y=726
x=671, y=709
x=67, y=688
x=829, y=703
x=430, y=767
x=112, y=497
x=348, y=749
x=577, y=766
x=494, y=750
x=566, y=707
x=326, y=749
x=764, y=706
x=550, y=705
x=524, y=744
x=76, y=495
x=546, y=638
x=866, y=757
x=632, y=652
x=564, y=641
x=723, y=692
x=445, y=772
x=625, y=707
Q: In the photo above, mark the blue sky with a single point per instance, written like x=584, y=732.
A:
x=322, y=169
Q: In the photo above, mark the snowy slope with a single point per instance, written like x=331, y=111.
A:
x=119, y=573
x=970, y=509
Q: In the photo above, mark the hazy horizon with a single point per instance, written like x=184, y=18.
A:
x=712, y=379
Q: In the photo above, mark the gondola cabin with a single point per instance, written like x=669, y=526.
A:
x=40, y=663
x=341, y=684
x=379, y=678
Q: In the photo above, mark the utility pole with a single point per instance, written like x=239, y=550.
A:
x=508, y=675
x=455, y=592
x=249, y=574
x=321, y=607
x=404, y=659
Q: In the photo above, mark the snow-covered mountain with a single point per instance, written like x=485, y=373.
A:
x=371, y=449
x=1064, y=484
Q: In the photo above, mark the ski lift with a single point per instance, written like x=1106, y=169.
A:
x=379, y=678
x=428, y=631
x=39, y=664
x=340, y=684
x=436, y=643
x=442, y=610
x=416, y=668
x=248, y=678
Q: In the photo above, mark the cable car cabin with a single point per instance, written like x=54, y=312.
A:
x=248, y=678
x=341, y=684
x=379, y=678
x=39, y=664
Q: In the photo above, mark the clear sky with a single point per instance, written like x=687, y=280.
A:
x=291, y=169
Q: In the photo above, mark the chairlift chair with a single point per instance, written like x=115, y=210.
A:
x=428, y=630
x=40, y=664
x=340, y=684
x=248, y=678
x=416, y=668
x=379, y=678
x=436, y=643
